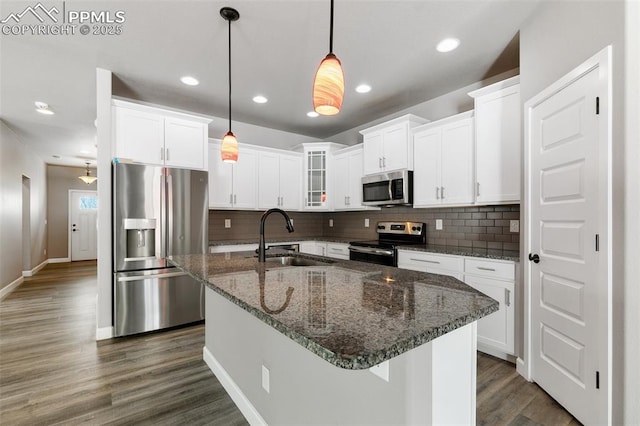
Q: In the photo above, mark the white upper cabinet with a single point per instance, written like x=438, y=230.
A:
x=279, y=183
x=152, y=135
x=347, y=179
x=232, y=186
x=388, y=146
x=318, y=175
x=498, y=142
x=443, y=154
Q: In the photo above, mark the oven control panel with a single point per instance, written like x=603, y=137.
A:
x=406, y=228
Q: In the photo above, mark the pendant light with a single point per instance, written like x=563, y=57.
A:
x=88, y=179
x=229, y=151
x=328, y=86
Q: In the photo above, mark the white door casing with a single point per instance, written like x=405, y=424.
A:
x=83, y=225
x=568, y=224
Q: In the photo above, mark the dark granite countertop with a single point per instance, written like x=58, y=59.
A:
x=352, y=314
x=458, y=251
x=467, y=251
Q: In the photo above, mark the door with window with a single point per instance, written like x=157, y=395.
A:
x=83, y=223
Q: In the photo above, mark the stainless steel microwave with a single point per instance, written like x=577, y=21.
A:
x=388, y=189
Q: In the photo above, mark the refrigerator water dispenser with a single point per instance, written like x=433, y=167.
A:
x=141, y=238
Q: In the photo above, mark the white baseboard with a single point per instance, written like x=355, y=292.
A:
x=242, y=402
x=521, y=368
x=59, y=260
x=496, y=353
x=104, y=333
x=4, y=292
x=35, y=270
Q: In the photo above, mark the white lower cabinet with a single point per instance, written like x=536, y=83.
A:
x=314, y=247
x=322, y=248
x=338, y=251
x=495, y=278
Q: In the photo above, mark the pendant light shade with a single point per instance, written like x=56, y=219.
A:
x=88, y=179
x=229, y=149
x=328, y=85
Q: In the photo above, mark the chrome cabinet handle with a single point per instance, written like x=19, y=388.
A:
x=437, y=194
x=384, y=161
x=168, y=154
x=230, y=198
x=379, y=162
x=485, y=269
x=235, y=199
x=162, y=153
x=478, y=189
x=425, y=260
x=507, y=297
x=442, y=192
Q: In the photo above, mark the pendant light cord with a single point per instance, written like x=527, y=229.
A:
x=331, y=30
x=230, y=74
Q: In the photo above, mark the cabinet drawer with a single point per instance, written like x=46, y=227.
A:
x=420, y=261
x=489, y=268
x=337, y=250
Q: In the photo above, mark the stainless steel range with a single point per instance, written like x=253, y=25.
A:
x=383, y=251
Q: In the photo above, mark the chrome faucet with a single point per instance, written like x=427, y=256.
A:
x=261, y=245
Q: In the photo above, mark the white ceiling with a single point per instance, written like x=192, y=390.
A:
x=277, y=45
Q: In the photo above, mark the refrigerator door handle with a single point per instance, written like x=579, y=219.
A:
x=168, y=187
x=143, y=277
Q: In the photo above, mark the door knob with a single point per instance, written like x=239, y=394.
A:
x=534, y=258
x=74, y=229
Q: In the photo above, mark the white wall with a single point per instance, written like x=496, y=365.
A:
x=17, y=160
x=441, y=107
x=557, y=38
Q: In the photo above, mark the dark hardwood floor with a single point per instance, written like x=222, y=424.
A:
x=52, y=371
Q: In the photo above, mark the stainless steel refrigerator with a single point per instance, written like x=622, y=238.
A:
x=157, y=212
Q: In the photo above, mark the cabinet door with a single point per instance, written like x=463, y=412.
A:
x=185, y=143
x=395, y=148
x=220, y=179
x=244, y=179
x=269, y=182
x=373, y=153
x=316, y=196
x=308, y=247
x=139, y=136
x=498, y=142
x=290, y=182
x=341, y=185
x=354, y=182
x=496, y=330
x=426, y=174
x=456, y=178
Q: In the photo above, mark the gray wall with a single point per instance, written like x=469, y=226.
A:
x=557, y=38
x=60, y=179
x=17, y=160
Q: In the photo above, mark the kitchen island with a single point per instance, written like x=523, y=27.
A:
x=310, y=340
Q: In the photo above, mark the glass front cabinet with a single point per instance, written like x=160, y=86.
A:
x=317, y=175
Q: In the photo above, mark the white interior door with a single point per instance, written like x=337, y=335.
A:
x=569, y=285
x=83, y=215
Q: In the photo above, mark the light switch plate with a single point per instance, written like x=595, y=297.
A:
x=330, y=223
x=438, y=224
x=227, y=223
x=514, y=226
x=366, y=223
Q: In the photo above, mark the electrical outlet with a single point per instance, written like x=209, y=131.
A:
x=366, y=223
x=45, y=252
x=514, y=226
x=438, y=224
x=227, y=223
x=265, y=378
x=330, y=223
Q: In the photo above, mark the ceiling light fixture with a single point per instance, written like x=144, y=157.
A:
x=447, y=45
x=328, y=85
x=189, y=81
x=259, y=99
x=88, y=179
x=229, y=151
x=363, y=88
x=312, y=114
x=43, y=108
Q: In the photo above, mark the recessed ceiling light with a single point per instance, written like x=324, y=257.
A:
x=447, y=45
x=189, y=81
x=43, y=108
x=363, y=88
x=259, y=99
x=84, y=151
x=56, y=156
x=312, y=114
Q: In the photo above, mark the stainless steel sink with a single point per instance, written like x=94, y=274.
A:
x=296, y=261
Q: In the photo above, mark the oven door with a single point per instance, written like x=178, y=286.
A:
x=377, y=255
